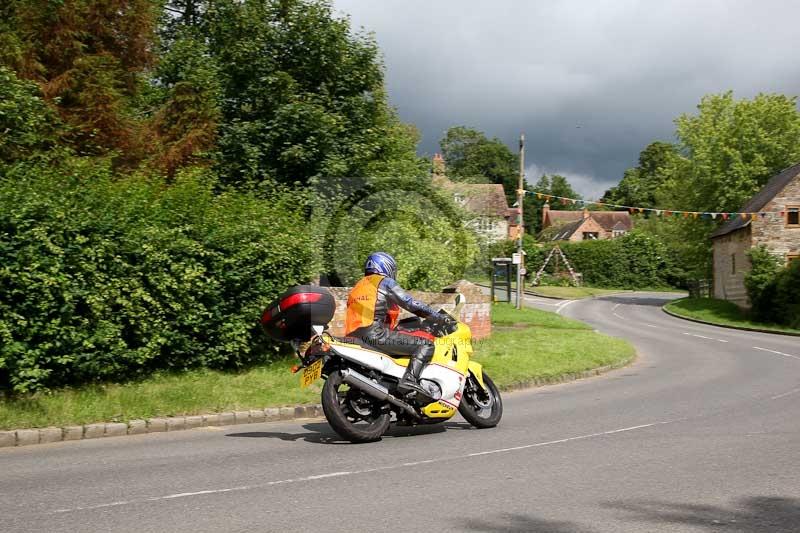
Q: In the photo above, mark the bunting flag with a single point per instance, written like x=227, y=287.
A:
x=745, y=216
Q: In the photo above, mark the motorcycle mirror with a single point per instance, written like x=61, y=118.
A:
x=318, y=329
x=460, y=301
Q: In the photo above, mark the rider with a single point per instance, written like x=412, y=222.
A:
x=372, y=310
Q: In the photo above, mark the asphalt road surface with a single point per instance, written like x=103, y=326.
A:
x=701, y=433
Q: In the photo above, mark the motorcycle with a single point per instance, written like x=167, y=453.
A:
x=359, y=397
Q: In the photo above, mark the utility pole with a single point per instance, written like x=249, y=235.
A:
x=520, y=227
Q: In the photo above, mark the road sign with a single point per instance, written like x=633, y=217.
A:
x=516, y=258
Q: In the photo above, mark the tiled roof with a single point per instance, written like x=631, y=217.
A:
x=775, y=185
x=565, y=231
x=609, y=220
x=488, y=199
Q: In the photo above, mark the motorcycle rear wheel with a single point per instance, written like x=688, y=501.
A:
x=353, y=415
x=481, y=408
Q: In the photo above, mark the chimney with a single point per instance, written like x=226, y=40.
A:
x=438, y=165
x=585, y=213
x=545, y=212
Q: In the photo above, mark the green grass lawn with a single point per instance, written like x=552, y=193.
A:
x=525, y=345
x=720, y=312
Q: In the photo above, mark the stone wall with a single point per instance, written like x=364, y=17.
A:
x=731, y=264
x=476, y=313
x=772, y=231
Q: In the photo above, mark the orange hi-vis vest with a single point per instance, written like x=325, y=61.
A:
x=361, y=304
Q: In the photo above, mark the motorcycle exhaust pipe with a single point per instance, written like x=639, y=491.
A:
x=363, y=383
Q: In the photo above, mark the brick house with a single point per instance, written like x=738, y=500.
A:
x=583, y=225
x=490, y=216
x=778, y=230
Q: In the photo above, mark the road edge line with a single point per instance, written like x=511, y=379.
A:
x=740, y=328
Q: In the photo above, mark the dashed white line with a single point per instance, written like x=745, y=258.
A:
x=785, y=394
x=776, y=352
x=703, y=337
x=356, y=472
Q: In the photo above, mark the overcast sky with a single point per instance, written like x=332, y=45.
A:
x=590, y=83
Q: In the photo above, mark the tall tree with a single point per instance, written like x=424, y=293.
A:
x=555, y=185
x=732, y=147
x=302, y=95
x=88, y=58
x=640, y=184
x=472, y=157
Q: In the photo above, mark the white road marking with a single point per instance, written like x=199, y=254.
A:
x=540, y=301
x=619, y=316
x=356, y=472
x=652, y=326
x=548, y=443
x=564, y=304
x=785, y=394
x=615, y=307
x=776, y=352
x=703, y=337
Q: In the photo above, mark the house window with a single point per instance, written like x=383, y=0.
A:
x=733, y=263
x=590, y=235
x=618, y=233
x=459, y=198
x=486, y=224
x=793, y=216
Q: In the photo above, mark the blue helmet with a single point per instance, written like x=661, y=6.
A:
x=381, y=263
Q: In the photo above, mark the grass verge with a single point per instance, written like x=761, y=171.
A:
x=527, y=344
x=543, y=345
x=721, y=312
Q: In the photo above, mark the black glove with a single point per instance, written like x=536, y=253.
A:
x=445, y=320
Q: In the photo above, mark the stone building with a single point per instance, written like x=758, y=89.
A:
x=491, y=218
x=778, y=229
x=583, y=225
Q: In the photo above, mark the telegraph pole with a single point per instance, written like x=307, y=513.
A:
x=520, y=199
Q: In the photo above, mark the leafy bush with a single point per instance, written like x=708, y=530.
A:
x=110, y=280
x=26, y=122
x=634, y=261
x=786, y=307
x=760, y=281
x=774, y=292
x=404, y=216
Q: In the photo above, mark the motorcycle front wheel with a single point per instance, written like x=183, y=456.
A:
x=481, y=408
x=353, y=415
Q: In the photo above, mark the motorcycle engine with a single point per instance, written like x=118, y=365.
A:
x=432, y=388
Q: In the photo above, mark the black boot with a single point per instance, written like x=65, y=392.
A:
x=410, y=380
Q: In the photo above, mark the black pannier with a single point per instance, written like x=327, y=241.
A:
x=291, y=316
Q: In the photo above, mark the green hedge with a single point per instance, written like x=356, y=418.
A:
x=111, y=279
x=774, y=292
x=633, y=261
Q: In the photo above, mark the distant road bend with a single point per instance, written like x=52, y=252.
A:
x=701, y=433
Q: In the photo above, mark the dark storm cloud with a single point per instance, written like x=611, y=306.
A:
x=590, y=83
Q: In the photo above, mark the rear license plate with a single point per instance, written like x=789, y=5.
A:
x=311, y=374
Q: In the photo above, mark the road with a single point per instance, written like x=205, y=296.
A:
x=701, y=433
